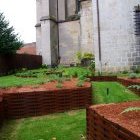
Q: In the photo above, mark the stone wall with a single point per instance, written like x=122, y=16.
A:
x=47, y=31
x=86, y=25
x=118, y=41
x=75, y=31
x=69, y=33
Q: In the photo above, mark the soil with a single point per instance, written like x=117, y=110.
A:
x=51, y=86
x=129, y=120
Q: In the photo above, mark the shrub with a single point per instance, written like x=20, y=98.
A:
x=88, y=56
x=44, y=66
x=133, y=76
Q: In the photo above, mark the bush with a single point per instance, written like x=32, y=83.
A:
x=44, y=66
x=133, y=76
x=88, y=56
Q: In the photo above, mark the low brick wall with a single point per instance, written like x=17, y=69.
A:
x=128, y=83
x=103, y=78
x=100, y=128
x=1, y=110
x=19, y=105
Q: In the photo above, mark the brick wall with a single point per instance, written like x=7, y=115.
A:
x=19, y=105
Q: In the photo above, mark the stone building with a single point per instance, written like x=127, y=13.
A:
x=108, y=28
x=116, y=34
x=64, y=27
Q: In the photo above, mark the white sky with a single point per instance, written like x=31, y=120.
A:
x=22, y=16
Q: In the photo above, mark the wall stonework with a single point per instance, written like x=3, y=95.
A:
x=118, y=41
x=69, y=33
x=86, y=25
x=57, y=31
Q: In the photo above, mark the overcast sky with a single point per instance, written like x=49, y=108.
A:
x=22, y=16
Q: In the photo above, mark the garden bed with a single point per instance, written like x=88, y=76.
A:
x=105, y=122
x=45, y=99
x=130, y=82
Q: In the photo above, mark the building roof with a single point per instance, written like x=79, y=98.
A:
x=29, y=48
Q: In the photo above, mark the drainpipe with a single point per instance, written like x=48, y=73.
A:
x=58, y=62
x=99, y=35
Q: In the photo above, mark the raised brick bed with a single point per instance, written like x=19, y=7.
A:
x=105, y=122
x=130, y=82
x=19, y=105
x=1, y=110
x=103, y=78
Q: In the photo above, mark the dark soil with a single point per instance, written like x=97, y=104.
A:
x=129, y=120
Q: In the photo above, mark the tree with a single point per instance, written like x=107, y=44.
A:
x=9, y=41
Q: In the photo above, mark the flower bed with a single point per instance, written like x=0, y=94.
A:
x=129, y=82
x=40, y=101
x=105, y=122
x=103, y=78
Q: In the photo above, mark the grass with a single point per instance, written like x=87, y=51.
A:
x=117, y=93
x=14, y=81
x=64, y=126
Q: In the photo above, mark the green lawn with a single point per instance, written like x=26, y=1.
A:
x=64, y=126
x=117, y=93
x=14, y=81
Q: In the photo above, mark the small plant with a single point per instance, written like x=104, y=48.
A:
x=79, y=57
x=44, y=66
x=125, y=72
x=88, y=56
x=81, y=77
x=19, y=85
x=26, y=74
x=80, y=83
x=24, y=69
x=137, y=87
x=130, y=109
x=67, y=79
x=137, y=70
x=133, y=76
x=87, y=80
x=59, y=85
x=60, y=80
x=92, y=65
x=41, y=83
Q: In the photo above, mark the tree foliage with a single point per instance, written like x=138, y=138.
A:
x=9, y=41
